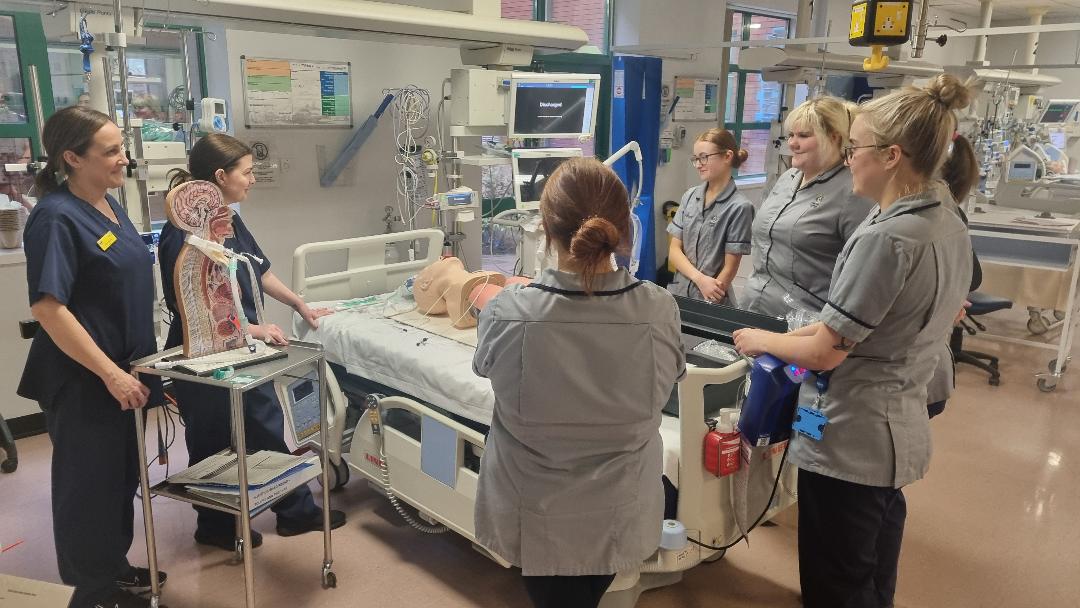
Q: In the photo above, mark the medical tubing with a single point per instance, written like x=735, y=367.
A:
x=745, y=535
x=376, y=429
x=235, y=284
x=256, y=293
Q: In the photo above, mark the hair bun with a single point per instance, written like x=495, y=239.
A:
x=597, y=237
x=742, y=155
x=950, y=92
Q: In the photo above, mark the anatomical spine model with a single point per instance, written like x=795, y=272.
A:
x=204, y=292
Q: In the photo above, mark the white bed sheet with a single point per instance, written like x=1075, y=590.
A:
x=426, y=365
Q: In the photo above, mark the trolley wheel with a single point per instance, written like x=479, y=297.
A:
x=337, y=475
x=1059, y=315
x=1038, y=325
x=9, y=465
x=995, y=380
x=715, y=557
x=1053, y=365
x=1047, y=385
x=329, y=580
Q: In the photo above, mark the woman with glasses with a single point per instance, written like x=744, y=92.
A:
x=711, y=230
x=807, y=216
x=863, y=433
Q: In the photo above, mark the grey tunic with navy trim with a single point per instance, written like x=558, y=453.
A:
x=798, y=232
x=897, y=287
x=570, y=476
x=708, y=234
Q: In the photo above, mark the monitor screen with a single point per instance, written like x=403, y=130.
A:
x=553, y=108
x=1058, y=140
x=1058, y=111
x=532, y=169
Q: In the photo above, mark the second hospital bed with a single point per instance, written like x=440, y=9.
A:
x=409, y=414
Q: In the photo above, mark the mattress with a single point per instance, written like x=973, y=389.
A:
x=427, y=359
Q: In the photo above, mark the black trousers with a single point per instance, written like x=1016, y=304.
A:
x=849, y=542
x=567, y=591
x=208, y=430
x=95, y=473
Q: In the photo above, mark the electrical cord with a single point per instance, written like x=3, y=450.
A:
x=745, y=535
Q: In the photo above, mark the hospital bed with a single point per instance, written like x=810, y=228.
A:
x=410, y=382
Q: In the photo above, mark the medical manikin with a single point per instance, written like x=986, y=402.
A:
x=445, y=287
x=208, y=296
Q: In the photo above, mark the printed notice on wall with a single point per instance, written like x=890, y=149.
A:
x=699, y=98
x=292, y=93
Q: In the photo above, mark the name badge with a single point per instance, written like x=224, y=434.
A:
x=106, y=241
x=810, y=422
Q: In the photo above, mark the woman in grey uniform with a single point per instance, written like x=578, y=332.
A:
x=711, y=230
x=898, y=285
x=581, y=362
x=808, y=215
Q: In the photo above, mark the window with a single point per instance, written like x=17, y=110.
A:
x=752, y=104
x=22, y=44
x=590, y=15
x=155, y=77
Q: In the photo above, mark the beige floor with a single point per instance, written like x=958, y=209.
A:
x=993, y=524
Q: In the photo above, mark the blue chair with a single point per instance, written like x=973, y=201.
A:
x=981, y=304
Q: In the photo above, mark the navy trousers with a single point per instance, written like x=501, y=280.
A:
x=95, y=472
x=849, y=542
x=208, y=430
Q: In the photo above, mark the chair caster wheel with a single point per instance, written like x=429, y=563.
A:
x=9, y=465
x=329, y=581
x=1059, y=315
x=1038, y=325
x=1046, y=385
x=995, y=381
x=337, y=475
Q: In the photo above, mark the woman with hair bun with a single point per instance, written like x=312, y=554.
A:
x=896, y=290
x=581, y=362
x=711, y=230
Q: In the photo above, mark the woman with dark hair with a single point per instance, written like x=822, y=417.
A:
x=91, y=287
x=711, y=230
x=581, y=362
x=227, y=162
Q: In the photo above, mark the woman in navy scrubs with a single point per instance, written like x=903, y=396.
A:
x=227, y=162
x=90, y=279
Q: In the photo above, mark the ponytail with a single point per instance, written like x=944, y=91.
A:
x=178, y=176
x=961, y=170
x=47, y=180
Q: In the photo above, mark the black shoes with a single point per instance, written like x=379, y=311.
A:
x=315, y=524
x=120, y=598
x=137, y=580
x=226, y=539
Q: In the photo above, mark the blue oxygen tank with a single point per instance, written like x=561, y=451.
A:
x=769, y=408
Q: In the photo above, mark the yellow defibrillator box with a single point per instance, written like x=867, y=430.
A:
x=878, y=24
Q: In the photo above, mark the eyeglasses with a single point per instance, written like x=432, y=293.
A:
x=847, y=152
x=701, y=160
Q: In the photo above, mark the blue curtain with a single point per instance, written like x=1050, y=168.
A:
x=635, y=116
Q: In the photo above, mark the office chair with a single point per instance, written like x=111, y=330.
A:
x=981, y=304
x=7, y=444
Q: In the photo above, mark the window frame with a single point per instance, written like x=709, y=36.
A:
x=31, y=47
x=739, y=125
x=542, y=9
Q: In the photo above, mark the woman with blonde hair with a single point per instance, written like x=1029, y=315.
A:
x=711, y=230
x=581, y=362
x=808, y=215
x=863, y=433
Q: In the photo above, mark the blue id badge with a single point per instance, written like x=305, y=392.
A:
x=810, y=422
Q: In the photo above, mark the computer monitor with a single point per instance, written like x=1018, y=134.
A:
x=532, y=167
x=553, y=105
x=1059, y=111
